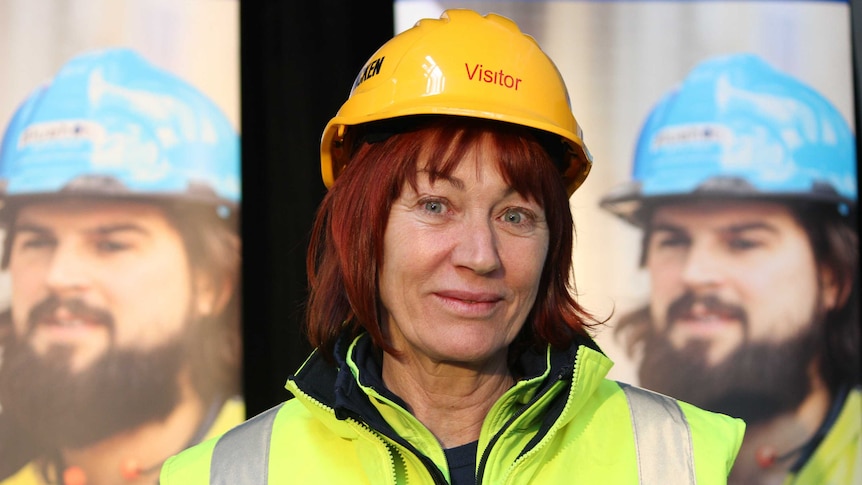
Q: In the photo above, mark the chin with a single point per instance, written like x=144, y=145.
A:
x=466, y=353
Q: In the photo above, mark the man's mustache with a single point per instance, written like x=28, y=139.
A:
x=45, y=311
x=682, y=307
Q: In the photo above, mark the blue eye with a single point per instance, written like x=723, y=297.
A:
x=434, y=206
x=513, y=216
x=519, y=220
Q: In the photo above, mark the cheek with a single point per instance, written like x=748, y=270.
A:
x=532, y=276
x=403, y=263
x=151, y=315
x=665, y=287
x=26, y=279
x=26, y=288
x=395, y=253
x=782, y=295
x=665, y=278
x=787, y=277
x=526, y=273
x=153, y=295
x=165, y=265
x=413, y=251
x=139, y=281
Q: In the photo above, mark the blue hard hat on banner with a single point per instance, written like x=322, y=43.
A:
x=112, y=124
x=736, y=127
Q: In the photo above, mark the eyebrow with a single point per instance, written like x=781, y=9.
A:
x=456, y=182
x=433, y=177
x=103, y=230
x=732, y=228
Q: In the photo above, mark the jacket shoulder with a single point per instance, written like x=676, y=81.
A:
x=713, y=439
x=193, y=465
x=838, y=458
x=189, y=467
x=716, y=439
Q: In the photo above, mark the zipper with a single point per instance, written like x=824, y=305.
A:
x=543, y=442
x=480, y=472
x=430, y=466
x=433, y=471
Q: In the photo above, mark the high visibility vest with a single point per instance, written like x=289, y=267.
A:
x=583, y=428
x=662, y=441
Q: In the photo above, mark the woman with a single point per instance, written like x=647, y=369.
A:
x=448, y=346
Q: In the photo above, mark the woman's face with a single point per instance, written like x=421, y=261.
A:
x=462, y=259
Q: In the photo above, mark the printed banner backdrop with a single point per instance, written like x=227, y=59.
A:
x=119, y=303
x=619, y=59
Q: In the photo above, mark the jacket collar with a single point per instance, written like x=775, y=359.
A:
x=344, y=386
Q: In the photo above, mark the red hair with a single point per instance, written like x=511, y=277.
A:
x=346, y=246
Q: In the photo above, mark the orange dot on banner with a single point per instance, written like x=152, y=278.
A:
x=765, y=456
x=74, y=475
x=130, y=469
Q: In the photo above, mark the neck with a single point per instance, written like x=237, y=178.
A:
x=135, y=457
x=772, y=447
x=450, y=400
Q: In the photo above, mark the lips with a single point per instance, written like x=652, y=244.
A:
x=470, y=304
x=69, y=322
x=470, y=296
x=62, y=326
x=68, y=319
x=704, y=311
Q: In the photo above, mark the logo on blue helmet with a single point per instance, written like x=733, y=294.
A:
x=736, y=127
x=112, y=124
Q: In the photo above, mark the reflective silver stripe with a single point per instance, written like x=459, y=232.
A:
x=662, y=438
x=241, y=456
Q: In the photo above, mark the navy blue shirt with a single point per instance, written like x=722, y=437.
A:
x=462, y=463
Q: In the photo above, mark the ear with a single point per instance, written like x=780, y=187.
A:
x=833, y=291
x=211, y=296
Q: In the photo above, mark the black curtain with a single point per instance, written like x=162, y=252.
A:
x=298, y=62
x=856, y=33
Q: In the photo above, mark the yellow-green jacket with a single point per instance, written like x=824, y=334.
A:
x=563, y=422
x=838, y=458
x=41, y=472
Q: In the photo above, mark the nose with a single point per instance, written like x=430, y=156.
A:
x=702, y=268
x=68, y=272
x=477, y=247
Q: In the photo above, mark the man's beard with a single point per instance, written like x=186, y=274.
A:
x=122, y=389
x=757, y=381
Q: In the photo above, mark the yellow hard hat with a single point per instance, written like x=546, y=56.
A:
x=463, y=64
